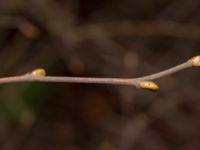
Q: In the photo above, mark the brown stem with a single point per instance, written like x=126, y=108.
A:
x=119, y=81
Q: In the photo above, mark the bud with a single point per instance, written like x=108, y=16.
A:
x=196, y=61
x=40, y=72
x=148, y=85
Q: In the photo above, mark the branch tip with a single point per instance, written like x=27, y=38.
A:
x=196, y=61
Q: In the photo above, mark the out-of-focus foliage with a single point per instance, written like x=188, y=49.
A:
x=68, y=38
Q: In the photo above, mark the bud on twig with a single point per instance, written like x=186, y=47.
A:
x=196, y=61
x=148, y=85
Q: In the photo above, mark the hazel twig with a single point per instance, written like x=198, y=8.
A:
x=39, y=75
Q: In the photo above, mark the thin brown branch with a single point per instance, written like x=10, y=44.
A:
x=167, y=72
x=17, y=22
x=139, y=28
x=39, y=76
x=112, y=29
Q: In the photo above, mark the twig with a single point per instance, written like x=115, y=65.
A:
x=38, y=75
x=139, y=28
x=17, y=22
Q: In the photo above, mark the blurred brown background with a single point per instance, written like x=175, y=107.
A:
x=99, y=38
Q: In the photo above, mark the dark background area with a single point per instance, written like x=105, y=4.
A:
x=99, y=38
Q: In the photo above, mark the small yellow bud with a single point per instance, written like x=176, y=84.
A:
x=148, y=85
x=40, y=72
x=196, y=61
